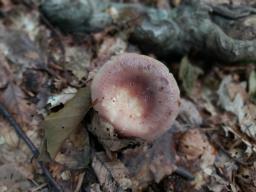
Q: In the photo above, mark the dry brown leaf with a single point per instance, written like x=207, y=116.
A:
x=19, y=48
x=109, y=47
x=189, y=115
x=198, y=155
x=75, y=151
x=151, y=163
x=14, y=98
x=14, y=178
x=233, y=98
x=193, y=145
x=26, y=61
x=106, y=135
x=112, y=174
x=246, y=178
x=25, y=19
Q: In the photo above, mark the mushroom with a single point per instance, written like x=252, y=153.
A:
x=137, y=95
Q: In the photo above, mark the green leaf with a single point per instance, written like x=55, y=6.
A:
x=58, y=126
x=188, y=74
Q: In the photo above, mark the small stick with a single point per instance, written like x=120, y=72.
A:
x=4, y=112
x=184, y=173
x=38, y=188
x=18, y=130
x=48, y=175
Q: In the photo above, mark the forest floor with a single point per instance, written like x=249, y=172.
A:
x=41, y=69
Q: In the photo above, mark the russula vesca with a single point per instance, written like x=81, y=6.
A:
x=137, y=95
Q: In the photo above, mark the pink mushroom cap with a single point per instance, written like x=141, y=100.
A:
x=137, y=95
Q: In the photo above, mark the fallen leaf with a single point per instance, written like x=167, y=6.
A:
x=75, y=151
x=197, y=155
x=237, y=106
x=252, y=85
x=112, y=174
x=109, y=47
x=107, y=136
x=189, y=115
x=18, y=48
x=246, y=178
x=78, y=60
x=188, y=74
x=193, y=145
x=15, y=178
x=217, y=183
x=25, y=19
x=148, y=163
x=58, y=126
x=13, y=97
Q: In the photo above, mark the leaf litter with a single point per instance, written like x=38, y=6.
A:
x=31, y=73
x=232, y=98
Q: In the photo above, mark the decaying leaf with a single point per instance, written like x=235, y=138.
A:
x=21, y=50
x=37, y=61
x=188, y=74
x=246, y=178
x=75, y=151
x=232, y=98
x=78, y=60
x=14, y=178
x=151, y=163
x=189, y=115
x=26, y=20
x=13, y=97
x=112, y=174
x=252, y=85
x=15, y=100
x=217, y=183
x=197, y=154
x=194, y=145
x=109, y=47
x=106, y=135
x=58, y=126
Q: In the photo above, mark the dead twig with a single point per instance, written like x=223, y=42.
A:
x=18, y=130
x=184, y=173
x=4, y=112
x=38, y=188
